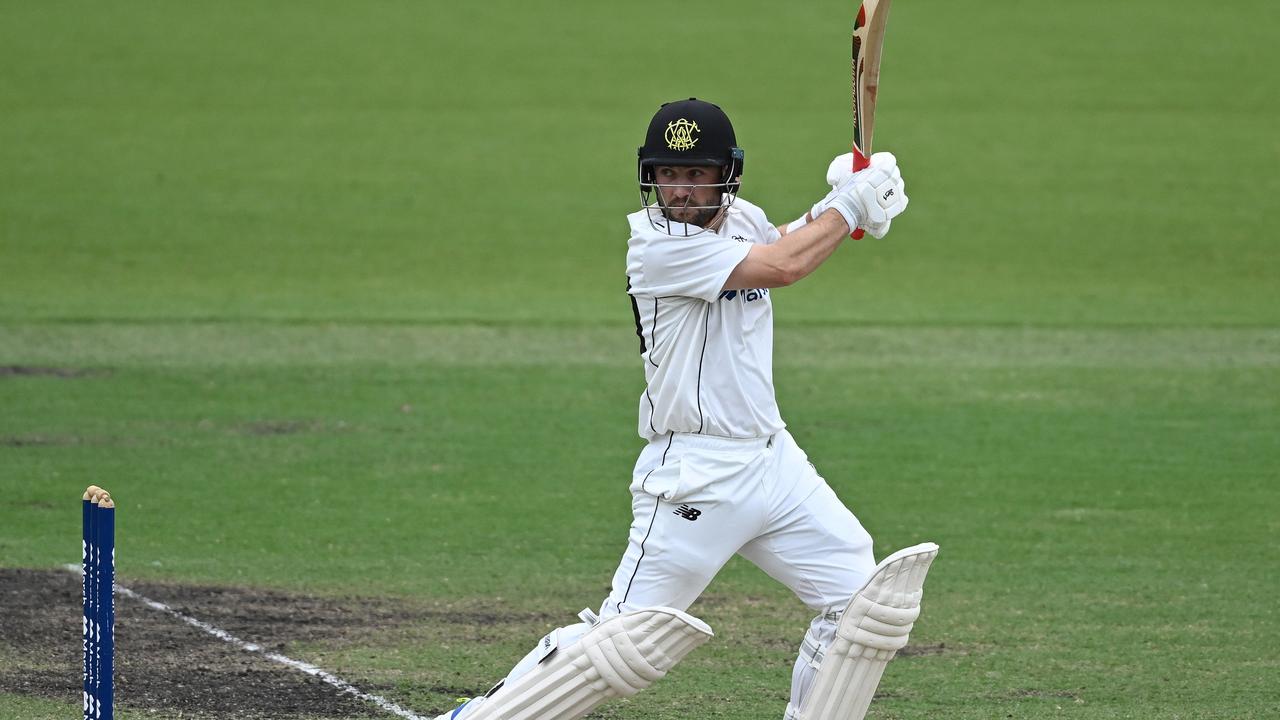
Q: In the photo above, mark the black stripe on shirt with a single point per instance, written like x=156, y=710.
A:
x=635, y=311
x=706, y=329
x=653, y=331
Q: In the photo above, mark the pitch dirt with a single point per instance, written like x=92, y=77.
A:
x=166, y=666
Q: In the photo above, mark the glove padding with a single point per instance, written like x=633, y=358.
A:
x=869, y=198
x=879, y=230
x=841, y=167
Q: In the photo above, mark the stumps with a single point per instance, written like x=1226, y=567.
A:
x=98, y=563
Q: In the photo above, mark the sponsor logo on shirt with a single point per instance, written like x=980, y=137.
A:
x=747, y=295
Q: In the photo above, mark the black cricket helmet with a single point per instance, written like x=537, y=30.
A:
x=691, y=132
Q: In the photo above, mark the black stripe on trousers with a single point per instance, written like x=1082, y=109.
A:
x=656, y=503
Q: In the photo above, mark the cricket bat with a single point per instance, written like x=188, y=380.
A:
x=868, y=40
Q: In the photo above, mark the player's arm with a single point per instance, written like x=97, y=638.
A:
x=793, y=257
x=868, y=199
x=794, y=224
x=840, y=170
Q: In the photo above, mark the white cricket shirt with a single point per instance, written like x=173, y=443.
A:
x=708, y=355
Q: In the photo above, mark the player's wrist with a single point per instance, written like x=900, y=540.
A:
x=798, y=223
x=845, y=207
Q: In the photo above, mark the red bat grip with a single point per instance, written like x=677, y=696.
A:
x=860, y=162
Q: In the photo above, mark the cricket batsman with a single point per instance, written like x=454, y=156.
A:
x=720, y=474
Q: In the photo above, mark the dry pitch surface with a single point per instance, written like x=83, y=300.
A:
x=166, y=666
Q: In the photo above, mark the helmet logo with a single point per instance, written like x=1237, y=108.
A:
x=680, y=136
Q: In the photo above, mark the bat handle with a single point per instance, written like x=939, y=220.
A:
x=860, y=162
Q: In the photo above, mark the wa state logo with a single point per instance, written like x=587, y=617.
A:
x=680, y=134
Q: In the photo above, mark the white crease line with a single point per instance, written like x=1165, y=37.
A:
x=298, y=665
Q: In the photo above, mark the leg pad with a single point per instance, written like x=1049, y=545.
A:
x=617, y=657
x=874, y=626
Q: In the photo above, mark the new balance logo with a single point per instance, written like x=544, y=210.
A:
x=687, y=513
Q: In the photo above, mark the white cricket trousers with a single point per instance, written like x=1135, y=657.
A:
x=699, y=499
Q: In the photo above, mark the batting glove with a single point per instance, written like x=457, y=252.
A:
x=879, y=230
x=841, y=168
x=868, y=199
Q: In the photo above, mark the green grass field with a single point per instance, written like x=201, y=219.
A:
x=330, y=297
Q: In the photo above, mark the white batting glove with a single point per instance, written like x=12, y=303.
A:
x=886, y=160
x=841, y=168
x=870, y=198
x=879, y=230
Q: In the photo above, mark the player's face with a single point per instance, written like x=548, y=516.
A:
x=689, y=193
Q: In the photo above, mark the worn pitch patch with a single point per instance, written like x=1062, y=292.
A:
x=165, y=662
x=305, y=667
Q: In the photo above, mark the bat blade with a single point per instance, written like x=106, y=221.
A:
x=868, y=40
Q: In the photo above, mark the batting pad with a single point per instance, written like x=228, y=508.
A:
x=619, y=656
x=872, y=629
